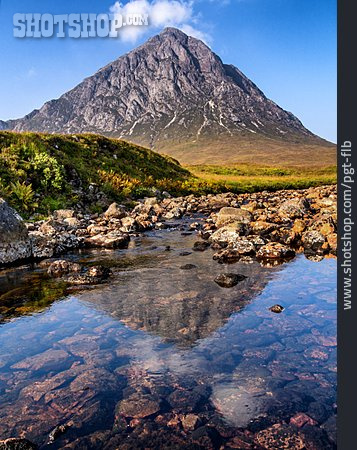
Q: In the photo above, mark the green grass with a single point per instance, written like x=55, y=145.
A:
x=40, y=173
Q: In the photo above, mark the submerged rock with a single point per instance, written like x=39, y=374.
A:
x=99, y=271
x=200, y=246
x=184, y=400
x=228, y=280
x=301, y=419
x=46, y=361
x=190, y=422
x=138, y=406
x=63, y=267
x=94, y=275
x=57, y=432
x=188, y=267
x=17, y=444
x=280, y=436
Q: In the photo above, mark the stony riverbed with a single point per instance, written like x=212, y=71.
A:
x=208, y=328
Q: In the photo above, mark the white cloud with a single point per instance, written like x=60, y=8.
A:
x=161, y=13
x=191, y=31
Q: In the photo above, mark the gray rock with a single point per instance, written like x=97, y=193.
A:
x=47, y=246
x=115, y=211
x=229, y=215
x=294, y=209
x=62, y=214
x=313, y=240
x=109, y=240
x=14, y=240
x=275, y=250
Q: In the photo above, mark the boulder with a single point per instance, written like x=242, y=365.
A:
x=229, y=215
x=109, y=240
x=62, y=214
x=294, y=208
x=94, y=275
x=174, y=213
x=262, y=228
x=228, y=235
x=128, y=224
x=225, y=236
x=115, y=211
x=151, y=201
x=14, y=240
x=43, y=246
x=47, y=246
x=275, y=250
x=313, y=241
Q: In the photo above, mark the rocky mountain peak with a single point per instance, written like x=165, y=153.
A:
x=171, y=92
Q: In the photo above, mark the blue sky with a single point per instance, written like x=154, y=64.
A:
x=287, y=47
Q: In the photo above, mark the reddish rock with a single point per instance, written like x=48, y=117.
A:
x=301, y=419
x=48, y=360
x=138, y=406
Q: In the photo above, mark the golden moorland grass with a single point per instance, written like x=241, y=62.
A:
x=253, y=177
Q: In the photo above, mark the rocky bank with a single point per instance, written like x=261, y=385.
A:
x=269, y=226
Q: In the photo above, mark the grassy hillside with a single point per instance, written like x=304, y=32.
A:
x=40, y=173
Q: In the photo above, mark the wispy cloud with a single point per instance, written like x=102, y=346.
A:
x=32, y=72
x=161, y=13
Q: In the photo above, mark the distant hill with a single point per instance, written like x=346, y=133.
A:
x=174, y=95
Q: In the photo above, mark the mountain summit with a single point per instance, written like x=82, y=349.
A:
x=174, y=95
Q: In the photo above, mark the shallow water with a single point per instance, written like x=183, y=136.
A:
x=166, y=341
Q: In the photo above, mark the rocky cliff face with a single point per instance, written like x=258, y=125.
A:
x=172, y=91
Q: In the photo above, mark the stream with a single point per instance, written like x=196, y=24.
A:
x=160, y=356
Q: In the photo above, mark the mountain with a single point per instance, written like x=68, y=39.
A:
x=175, y=96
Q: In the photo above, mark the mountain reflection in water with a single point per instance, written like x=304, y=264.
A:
x=169, y=341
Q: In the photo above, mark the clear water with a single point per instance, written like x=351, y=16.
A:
x=156, y=330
